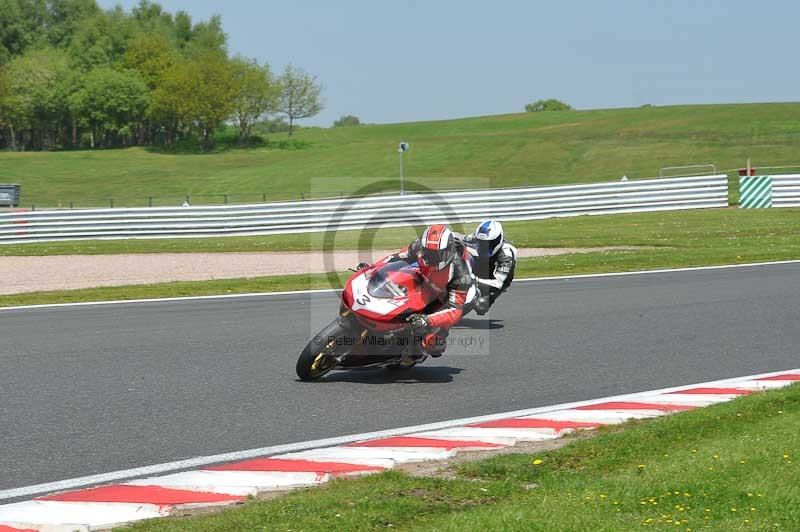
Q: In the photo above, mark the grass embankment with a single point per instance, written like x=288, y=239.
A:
x=503, y=150
x=727, y=467
x=670, y=240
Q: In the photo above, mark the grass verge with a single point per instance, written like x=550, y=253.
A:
x=177, y=289
x=727, y=467
x=502, y=150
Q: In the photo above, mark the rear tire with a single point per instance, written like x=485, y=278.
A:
x=318, y=357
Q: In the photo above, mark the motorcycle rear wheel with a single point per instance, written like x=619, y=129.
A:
x=320, y=355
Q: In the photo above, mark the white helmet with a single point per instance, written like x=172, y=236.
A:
x=490, y=238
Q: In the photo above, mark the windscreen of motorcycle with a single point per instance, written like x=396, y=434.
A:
x=393, y=280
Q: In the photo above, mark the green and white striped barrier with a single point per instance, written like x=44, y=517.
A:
x=755, y=192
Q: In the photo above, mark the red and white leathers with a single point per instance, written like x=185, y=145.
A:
x=453, y=283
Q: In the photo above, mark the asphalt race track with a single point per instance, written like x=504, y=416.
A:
x=93, y=389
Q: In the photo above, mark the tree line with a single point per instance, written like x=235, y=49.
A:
x=75, y=75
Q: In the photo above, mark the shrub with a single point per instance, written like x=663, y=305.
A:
x=347, y=120
x=547, y=105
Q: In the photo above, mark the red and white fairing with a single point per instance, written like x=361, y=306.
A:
x=381, y=295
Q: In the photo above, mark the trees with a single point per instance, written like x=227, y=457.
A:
x=17, y=29
x=300, y=95
x=151, y=55
x=198, y=94
x=347, y=120
x=4, y=124
x=547, y=105
x=73, y=73
x=112, y=105
x=207, y=37
x=62, y=18
x=256, y=95
x=37, y=85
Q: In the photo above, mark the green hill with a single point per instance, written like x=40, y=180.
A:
x=504, y=150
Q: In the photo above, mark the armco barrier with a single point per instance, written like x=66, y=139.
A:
x=374, y=211
x=786, y=190
x=763, y=191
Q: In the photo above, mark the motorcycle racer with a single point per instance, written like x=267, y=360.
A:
x=442, y=264
x=494, y=264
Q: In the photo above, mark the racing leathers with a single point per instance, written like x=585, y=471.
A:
x=454, y=287
x=493, y=274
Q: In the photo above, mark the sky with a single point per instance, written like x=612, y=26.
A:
x=412, y=60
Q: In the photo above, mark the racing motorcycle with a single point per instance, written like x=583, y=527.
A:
x=371, y=329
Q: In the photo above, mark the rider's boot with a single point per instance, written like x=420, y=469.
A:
x=406, y=361
x=434, y=343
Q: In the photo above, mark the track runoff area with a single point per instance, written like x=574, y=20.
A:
x=104, y=500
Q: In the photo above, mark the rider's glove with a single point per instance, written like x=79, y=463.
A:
x=362, y=266
x=418, y=322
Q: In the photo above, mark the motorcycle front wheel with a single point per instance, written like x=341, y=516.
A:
x=320, y=355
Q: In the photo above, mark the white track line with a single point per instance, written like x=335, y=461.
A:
x=666, y=270
x=329, y=442
x=327, y=290
x=166, y=299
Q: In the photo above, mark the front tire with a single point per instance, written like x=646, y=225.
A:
x=319, y=356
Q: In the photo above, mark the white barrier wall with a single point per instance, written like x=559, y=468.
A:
x=374, y=211
x=786, y=190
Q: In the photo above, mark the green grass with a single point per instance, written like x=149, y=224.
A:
x=673, y=239
x=727, y=467
x=503, y=150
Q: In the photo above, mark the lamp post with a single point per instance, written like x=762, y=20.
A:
x=401, y=149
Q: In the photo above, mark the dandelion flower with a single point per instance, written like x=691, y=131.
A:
x=538, y=461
